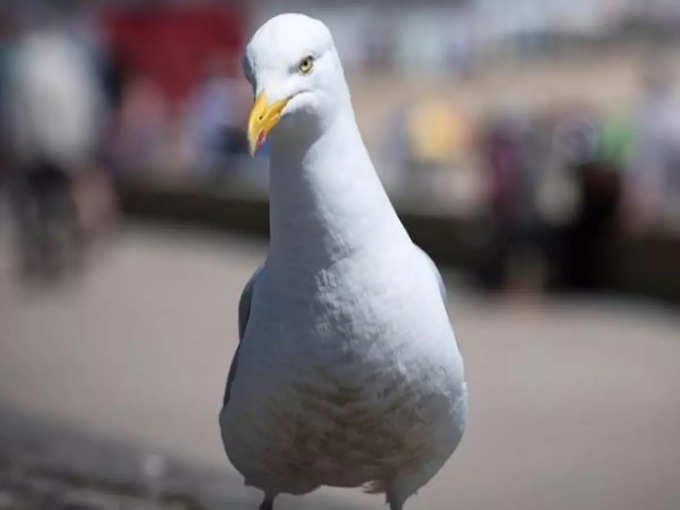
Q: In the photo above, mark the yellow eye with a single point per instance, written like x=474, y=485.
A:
x=306, y=64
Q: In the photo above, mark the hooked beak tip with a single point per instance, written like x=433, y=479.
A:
x=262, y=119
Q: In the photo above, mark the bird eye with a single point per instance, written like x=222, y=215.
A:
x=306, y=64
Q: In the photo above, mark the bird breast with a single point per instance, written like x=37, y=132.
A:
x=347, y=381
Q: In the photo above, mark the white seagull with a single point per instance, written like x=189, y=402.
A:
x=347, y=372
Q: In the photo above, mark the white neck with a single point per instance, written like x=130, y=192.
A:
x=326, y=201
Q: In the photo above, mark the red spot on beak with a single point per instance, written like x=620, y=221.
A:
x=260, y=140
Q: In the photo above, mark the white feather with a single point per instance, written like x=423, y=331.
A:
x=348, y=371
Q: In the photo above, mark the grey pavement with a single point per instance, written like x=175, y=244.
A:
x=575, y=402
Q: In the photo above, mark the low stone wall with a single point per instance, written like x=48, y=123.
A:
x=644, y=266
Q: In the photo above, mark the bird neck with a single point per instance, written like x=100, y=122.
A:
x=326, y=201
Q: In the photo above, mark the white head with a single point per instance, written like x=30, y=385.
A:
x=296, y=75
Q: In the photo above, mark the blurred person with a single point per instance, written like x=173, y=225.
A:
x=652, y=183
x=578, y=196
x=506, y=157
x=217, y=116
x=6, y=43
x=506, y=147
x=434, y=131
x=589, y=234
x=52, y=114
x=142, y=138
x=433, y=135
x=574, y=199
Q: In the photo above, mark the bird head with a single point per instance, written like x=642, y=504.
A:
x=296, y=75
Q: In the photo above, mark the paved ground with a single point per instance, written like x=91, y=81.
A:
x=46, y=465
x=575, y=403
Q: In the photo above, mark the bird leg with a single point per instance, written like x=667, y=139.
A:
x=267, y=503
x=395, y=500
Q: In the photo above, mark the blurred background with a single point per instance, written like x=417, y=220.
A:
x=533, y=148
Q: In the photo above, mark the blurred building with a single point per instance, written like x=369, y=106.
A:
x=539, y=117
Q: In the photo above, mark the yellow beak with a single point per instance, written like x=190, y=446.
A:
x=262, y=119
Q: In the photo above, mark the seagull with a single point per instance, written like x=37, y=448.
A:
x=347, y=372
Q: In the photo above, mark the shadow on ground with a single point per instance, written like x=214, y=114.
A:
x=45, y=464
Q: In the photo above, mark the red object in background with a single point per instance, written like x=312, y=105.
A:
x=173, y=45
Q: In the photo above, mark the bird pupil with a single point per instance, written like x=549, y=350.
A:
x=306, y=64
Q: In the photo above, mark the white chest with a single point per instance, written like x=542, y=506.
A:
x=340, y=378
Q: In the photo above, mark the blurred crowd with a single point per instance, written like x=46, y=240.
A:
x=96, y=92
x=53, y=113
x=557, y=184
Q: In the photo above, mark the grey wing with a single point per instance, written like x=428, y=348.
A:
x=440, y=280
x=244, y=303
x=243, y=316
